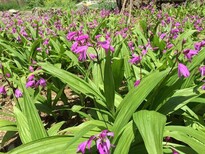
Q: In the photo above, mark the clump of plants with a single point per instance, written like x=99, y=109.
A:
x=86, y=82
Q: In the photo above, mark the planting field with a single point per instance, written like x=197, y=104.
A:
x=101, y=81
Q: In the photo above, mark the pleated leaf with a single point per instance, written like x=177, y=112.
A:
x=134, y=98
x=194, y=138
x=151, y=127
x=35, y=124
x=73, y=81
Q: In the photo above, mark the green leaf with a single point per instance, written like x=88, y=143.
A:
x=109, y=85
x=73, y=81
x=54, y=145
x=22, y=125
x=134, y=98
x=151, y=127
x=194, y=138
x=55, y=128
x=6, y=125
x=118, y=71
x=125, y=140
x=179, y=99
x=35, y=125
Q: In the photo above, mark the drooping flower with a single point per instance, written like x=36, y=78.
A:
x=31, y=69
x=174, y=151
x=30, y=83
x=137, y=82
x=8, y=75
x=18, y=93
x=197, y=46
x=42, y=82
x=2, y=90
x=46, y=42
x=203, y=87
x=81, y=51
x=106, y=45
x=131, y=45
x=102, y=142
x=135, y=59
x=183, y=70
x=202, y=70
x=189, y=53
x=31, y=77
x=83, y=145
x=162, y=36
x=71, y=35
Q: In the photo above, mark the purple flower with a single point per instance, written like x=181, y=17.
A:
x=183, y=70
x=202, y=70
x=31, y=69
x=2, y=90
x=189, y=53
x=102, y=142
x=92, y=56
x=39, y=49
x=162, y=36
x=174, y=151
x=131, y=45
x=31, y=77
x=197, y=46
x=74, y=46
x=82, y=37
x=106, y=45
x=30, y=83
x=136, y=59
x=203, y=87
x=8, y=75
x=46, y=41
x=81, y=51
x=71, y=35
x=42, y=82
x=82, y=146
x=137, y=82
x=169, y=45
x=18, y=93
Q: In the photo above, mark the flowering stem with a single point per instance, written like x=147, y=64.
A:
x=10, y=85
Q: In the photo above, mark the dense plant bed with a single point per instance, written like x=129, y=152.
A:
x=84, y=81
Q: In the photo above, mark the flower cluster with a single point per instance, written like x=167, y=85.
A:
x=102, y=142
x=80, y=45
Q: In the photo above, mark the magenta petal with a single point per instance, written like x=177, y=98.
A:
x=82, y=147
x=100, y=147
x=183, y=70
x=202, y=70
x=203, y=87
x=18, y=93
x=74, y=46
x=137, y=82
x=90, y=141
x=30, y=83
x=2, y=90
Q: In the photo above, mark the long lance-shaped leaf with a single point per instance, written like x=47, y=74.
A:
x=109, y=85
x=22, y=125
x=73, y=81
x=134, y=98
x=179, y=99
x=125, y=140
x=194, y=138
x=35, y=124
x=7, y=125
x=54, y=145
x=151, y=127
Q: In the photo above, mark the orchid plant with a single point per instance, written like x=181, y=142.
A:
x=138, y=88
